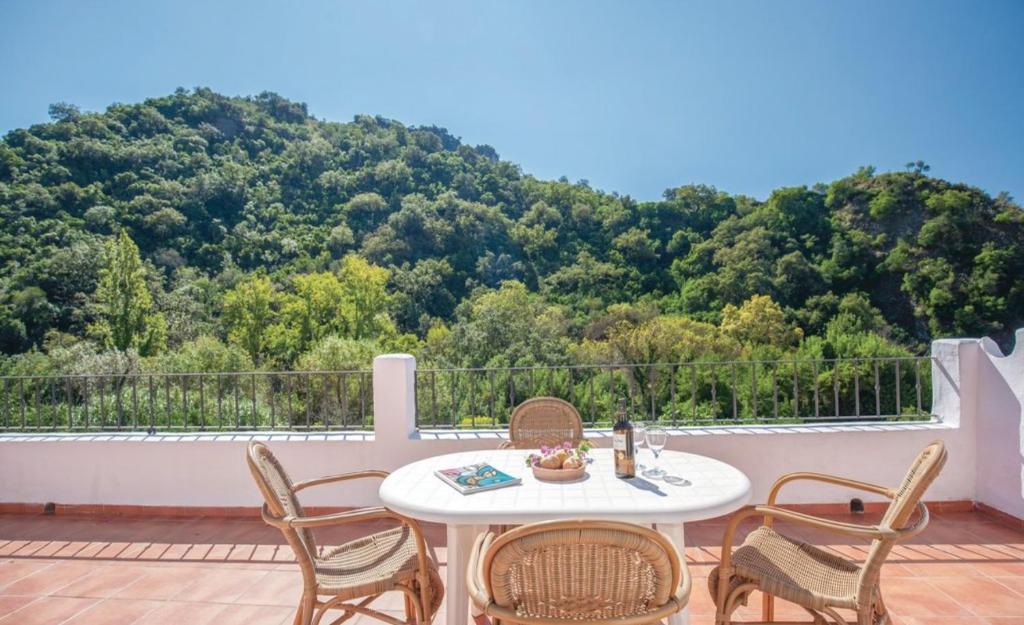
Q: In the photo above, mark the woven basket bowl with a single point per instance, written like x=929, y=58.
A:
x=559, y=475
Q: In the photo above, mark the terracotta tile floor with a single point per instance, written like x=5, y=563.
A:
x=963, y=570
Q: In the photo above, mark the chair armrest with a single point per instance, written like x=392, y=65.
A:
x=682, y=594
x=324, y=520
x=337, y=478
x=474, y=574
x=828, y=479
x=839, y=527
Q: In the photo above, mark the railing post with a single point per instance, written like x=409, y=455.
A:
x=394, y=397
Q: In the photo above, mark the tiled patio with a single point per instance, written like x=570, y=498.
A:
x=965, y=569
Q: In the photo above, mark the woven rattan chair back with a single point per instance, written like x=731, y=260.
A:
x=281, y=501
x=544, y=421
x=905, y=501
x=919, y=477
x=585, y=571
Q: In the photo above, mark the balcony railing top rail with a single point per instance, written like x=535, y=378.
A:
x=689, y=363
x=699, y=393
x=177, y=402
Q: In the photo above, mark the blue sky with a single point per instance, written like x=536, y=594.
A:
x=635, y=97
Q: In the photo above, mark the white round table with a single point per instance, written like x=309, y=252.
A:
x=709, y=488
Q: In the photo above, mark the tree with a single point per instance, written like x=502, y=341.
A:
x=918, y=167
x=204, y=354
x=314, y=309
x=248, y=313
x=62, y=111
x=364, y=295
x=422, y=292
x=759, y=321
x=124, y=305
x=334, y=353
x=668, y=339
x=505, y=327
x=33, y=311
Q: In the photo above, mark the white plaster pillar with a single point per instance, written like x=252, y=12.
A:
x=394, y=400
x=954, y=384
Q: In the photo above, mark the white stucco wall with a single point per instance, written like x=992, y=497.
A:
x=999, y=406
x=210, y=470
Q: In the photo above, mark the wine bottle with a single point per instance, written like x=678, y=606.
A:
x=622, y=443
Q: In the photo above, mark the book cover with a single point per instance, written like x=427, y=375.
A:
x=476, y=478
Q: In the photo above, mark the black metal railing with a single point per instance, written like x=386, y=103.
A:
x=691, y=393
x=236, y=401
x=677, y=394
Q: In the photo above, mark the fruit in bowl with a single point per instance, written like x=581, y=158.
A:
x=560, y=463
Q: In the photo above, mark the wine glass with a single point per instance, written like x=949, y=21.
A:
x=656, y=439
x=639, y=440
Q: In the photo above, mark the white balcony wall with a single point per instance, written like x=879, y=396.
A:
x=999, y=411
x=977, y=395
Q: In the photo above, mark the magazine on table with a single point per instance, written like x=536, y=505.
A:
x=476, y=478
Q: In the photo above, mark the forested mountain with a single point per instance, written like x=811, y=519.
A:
x=198, y=231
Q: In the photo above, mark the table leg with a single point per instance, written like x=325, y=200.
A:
x=675, y=532
x=460, y=543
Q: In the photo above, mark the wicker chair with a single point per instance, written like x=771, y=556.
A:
x=543, y=421
x=821, y=582
x=591, y=572
x=358, y=571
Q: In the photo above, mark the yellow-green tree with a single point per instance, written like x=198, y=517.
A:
x=364, y=293
x=249, y=314
x=314, y=310
x=662, y=339
x=124, y=305
x=759, y=321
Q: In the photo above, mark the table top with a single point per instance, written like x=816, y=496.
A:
x=708, y=488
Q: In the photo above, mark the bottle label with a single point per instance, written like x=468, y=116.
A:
x=625, y=464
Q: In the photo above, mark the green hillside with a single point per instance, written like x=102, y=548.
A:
x=272, y=239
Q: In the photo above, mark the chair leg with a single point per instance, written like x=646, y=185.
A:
x=420, y=602
x=875, y=614
x=722, y=616
x=767, y=608
x=411, y=615
x=881, y=612
x=304, y=615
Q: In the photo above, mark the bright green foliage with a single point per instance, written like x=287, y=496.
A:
x=206, y=354
x=249, y=311
x=313, y=310
x=664, y=338
x=126, y=318
x=507, y=326
x=335, y=353
x=364, y=297
x=759, y=321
